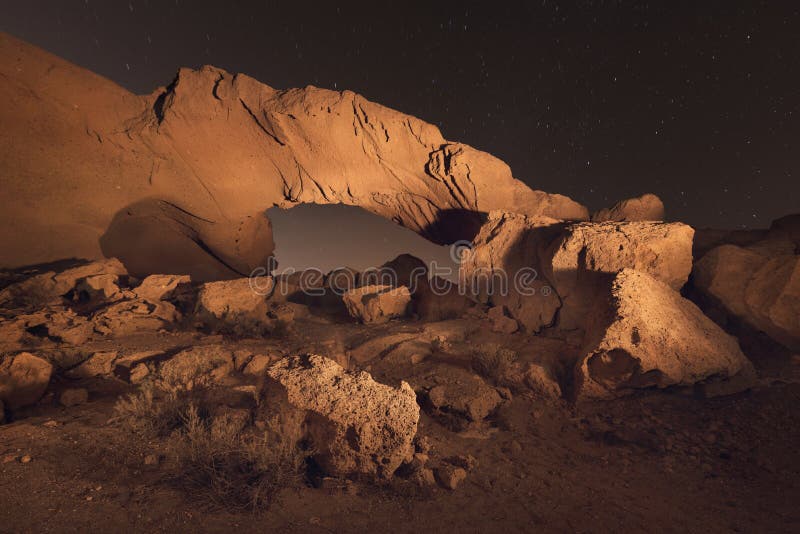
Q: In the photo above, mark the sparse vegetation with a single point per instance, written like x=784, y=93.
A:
x=217, y=457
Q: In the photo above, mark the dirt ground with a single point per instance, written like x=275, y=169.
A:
x=655, y=461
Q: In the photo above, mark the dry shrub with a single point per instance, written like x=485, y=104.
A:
x=216, y=458
x=231, y=467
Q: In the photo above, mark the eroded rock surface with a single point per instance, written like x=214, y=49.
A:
x=23, y=379
x=644, y=334
x=356, y=425
x=377, y=304
x=158, y=180
x=647, y=207
x=759, y=289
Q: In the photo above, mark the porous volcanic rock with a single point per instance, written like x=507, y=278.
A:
x=178, y=181
x=356, y=426
x=644, y=334
x=763, y=291
x=197, y=367
x=377, y=304
x=232, y=302
x=23, y=379
x=647, y=207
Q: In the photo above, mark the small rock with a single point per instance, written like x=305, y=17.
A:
x=8, y=458
x=464, y=461
x=52, y=423
x=26, y=459
x=139, y=372
x=151, y=460
x=74, y=397
x=424, y=477
x=449, y=477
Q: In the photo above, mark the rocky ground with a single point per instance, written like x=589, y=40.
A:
x=498, y=445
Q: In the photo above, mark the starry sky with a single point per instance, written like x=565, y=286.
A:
x=697, y=102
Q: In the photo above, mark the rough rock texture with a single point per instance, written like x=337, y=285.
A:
x=504, y=267
x=98, y=364
x=763, y=291
x=23, y=379
x=198, y=366
x=235, y=301
x=160, y=286
x=177, y=181
x=587, y=254
x=646, y=335
x=455, y=396
x=377, y=304
x=50, y=286
x=647, y=207
x=356, y=425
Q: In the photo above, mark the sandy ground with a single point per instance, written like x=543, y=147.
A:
x=656, y=461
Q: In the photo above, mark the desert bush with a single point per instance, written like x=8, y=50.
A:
x=215, y=457
x=230, y=466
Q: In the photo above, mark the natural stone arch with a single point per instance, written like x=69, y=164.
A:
x=212, y=151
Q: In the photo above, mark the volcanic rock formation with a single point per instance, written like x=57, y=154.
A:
x=178, y=181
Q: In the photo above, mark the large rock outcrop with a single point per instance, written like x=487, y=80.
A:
x=644, y=334
x=582, y=259
x=178, y=181
x=759, y=289
x=356, y=425
x=537, y=266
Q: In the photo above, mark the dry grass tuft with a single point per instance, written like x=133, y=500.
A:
x=216, y=458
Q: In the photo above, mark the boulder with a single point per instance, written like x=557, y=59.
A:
x=759, y=290
x=23, y=379
x=645, y=335
x=377, y=304
x=458, y=398
x=129, y=317
x=98, y=289
x=647, y=207
x=159, y=287
x=59, y=324
x=199, y=366
x=235, y=302
x=583, y=259
x=98, y=364
x=49, y=287
x=356, y=426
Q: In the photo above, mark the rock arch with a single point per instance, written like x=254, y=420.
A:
x=205, y=156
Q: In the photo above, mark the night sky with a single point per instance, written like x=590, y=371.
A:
x=595, y=100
